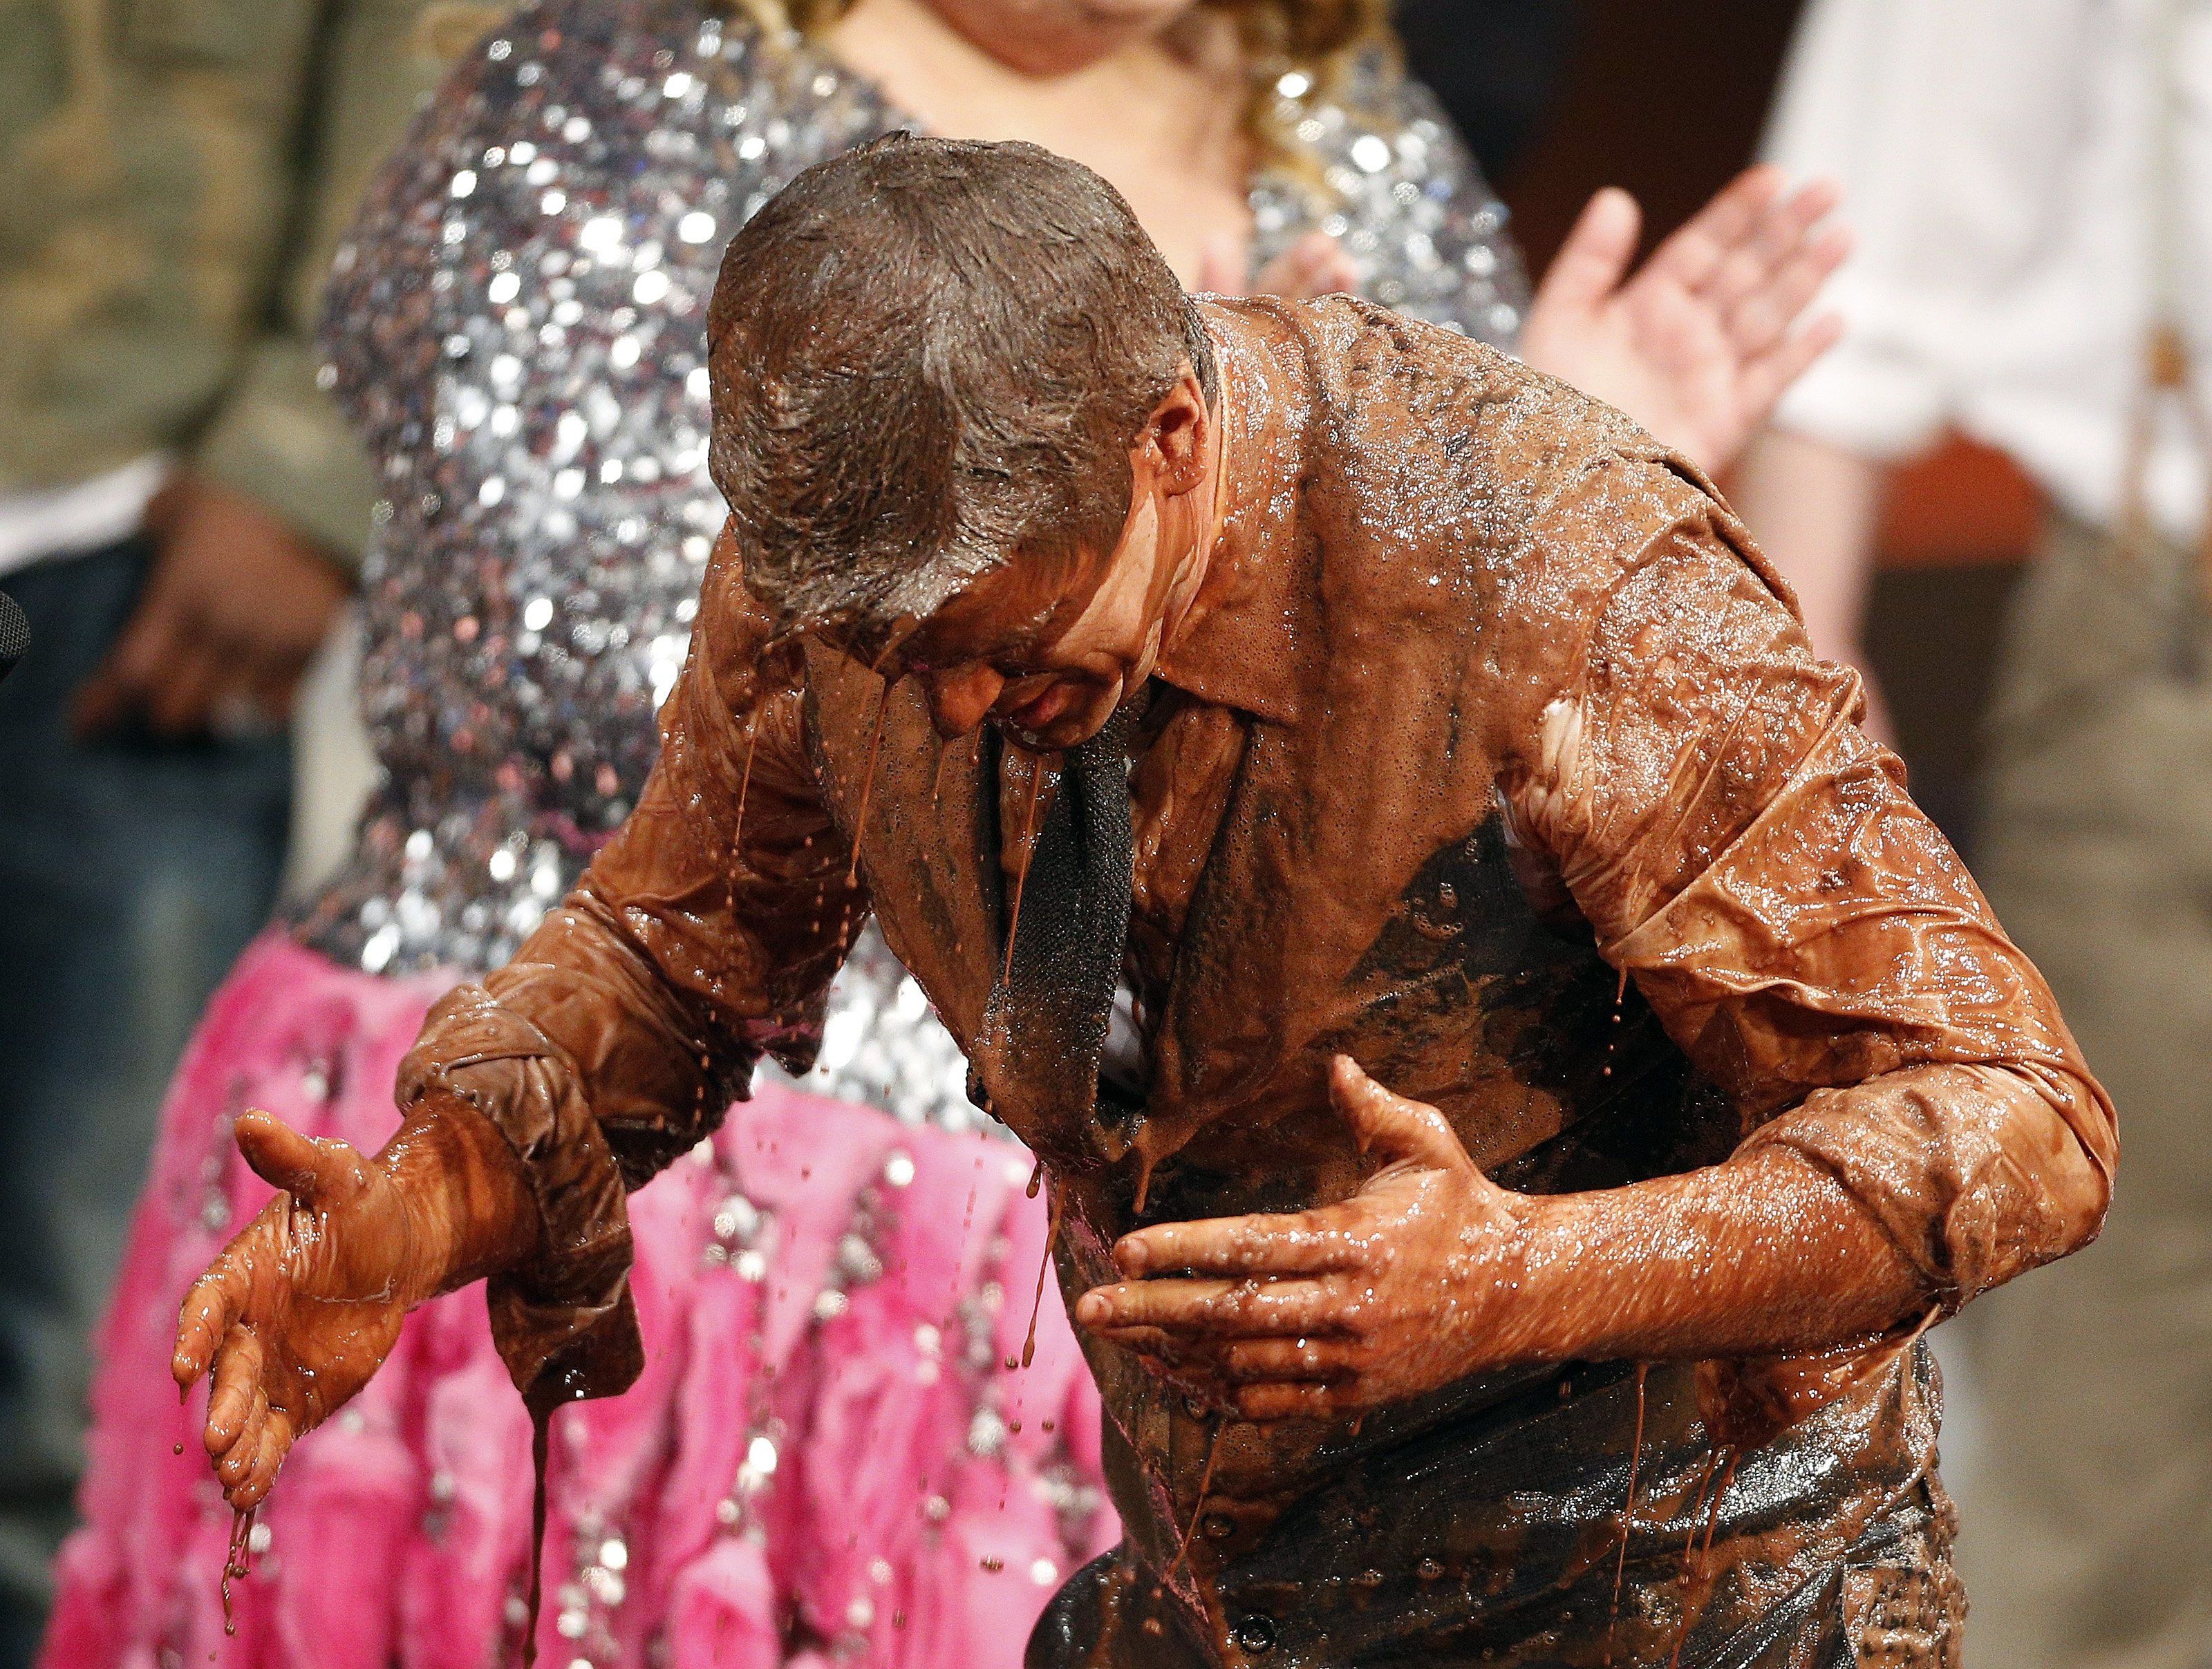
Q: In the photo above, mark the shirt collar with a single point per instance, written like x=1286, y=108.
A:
x=1255, y=647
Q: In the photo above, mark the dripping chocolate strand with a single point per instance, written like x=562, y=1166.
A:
x=1627, y=1512
x=1690, y=1555
x=868, y=784
x=1713, y=1516
x=541, y=1420
x=1198, y=1509
x=235, y=1562
x=744, y=784
x=1613, y=1034
x=1044, y=1268
x=1029, y=828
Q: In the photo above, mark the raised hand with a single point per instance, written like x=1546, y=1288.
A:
x=1699, y=344
x=1406, y=1286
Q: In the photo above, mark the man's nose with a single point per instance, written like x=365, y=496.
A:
x=959, y=699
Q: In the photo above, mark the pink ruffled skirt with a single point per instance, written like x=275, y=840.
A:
x=834, y=1453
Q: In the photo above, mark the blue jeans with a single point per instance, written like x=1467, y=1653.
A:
x=133, y=872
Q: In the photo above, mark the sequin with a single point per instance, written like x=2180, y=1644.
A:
x=517, y=325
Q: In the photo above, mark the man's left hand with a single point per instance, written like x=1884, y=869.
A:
x=1408, y=1285
x=1703, y=340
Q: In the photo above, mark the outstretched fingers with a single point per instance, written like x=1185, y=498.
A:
x=1260, y=1246
x=1760, y=319
x=237, y=1396
x=217, y=1300
x=1591, y=263
x=1765, y=257
x=1221, y=1309
x=1695, y=254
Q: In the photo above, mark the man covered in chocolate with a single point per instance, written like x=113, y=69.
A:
x=1517, y=1074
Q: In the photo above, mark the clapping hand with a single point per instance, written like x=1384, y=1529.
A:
x=1702, y=341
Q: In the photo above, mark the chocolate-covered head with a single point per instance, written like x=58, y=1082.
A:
x=930, y=360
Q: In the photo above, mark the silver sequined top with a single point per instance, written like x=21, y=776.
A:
x=517, y=328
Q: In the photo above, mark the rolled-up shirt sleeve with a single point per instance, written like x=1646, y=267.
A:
x=1805, y=935
x=705, y=935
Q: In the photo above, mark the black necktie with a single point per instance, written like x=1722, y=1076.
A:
x=1055, y=994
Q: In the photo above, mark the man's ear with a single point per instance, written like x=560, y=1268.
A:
x=1175, y=436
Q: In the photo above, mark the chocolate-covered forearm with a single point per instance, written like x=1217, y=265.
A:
x=469, y=1210
x=1861, y=1209
x=1767, y=1255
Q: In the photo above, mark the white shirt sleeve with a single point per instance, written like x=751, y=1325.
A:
x=1954, y=128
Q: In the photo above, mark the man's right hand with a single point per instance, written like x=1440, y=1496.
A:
x=233, y=610
x=303, y=1305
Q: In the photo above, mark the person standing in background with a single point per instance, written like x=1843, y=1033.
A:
x=180, y=509
x=2032, y=181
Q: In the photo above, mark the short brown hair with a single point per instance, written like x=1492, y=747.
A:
x=926, y=355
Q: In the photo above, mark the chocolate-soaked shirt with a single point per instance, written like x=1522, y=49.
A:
x=1508, y=773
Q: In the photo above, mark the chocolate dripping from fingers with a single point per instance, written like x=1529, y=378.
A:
x=235, y=1562
x=541, y=1423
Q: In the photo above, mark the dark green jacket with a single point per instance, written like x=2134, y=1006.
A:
x=174, y=177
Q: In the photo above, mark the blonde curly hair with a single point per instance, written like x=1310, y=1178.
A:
x=1323, y=39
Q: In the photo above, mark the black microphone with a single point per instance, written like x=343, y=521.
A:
x=15, y=633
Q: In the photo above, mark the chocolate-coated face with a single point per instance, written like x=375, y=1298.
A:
x=1048, y=647
x=1054, y=37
